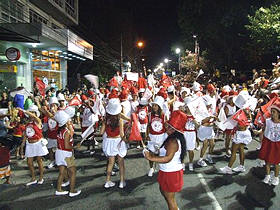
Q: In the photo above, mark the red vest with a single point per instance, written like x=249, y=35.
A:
x=142, y=113
x=110, y=132
x=33, y=132
x=52, y=128
x=156, y=125
x=61, y=141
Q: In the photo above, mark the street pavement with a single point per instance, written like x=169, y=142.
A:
x=205, y=188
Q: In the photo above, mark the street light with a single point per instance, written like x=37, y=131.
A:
x=140, y=44
x=196, y=48
x=178, y=51
x=166, y=60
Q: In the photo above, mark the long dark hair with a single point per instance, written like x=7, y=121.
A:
x=113, y=121
x=181, y=138
x=159, y=112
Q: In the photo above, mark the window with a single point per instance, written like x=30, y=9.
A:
x=34, y=17
x=5, y=16
x=12, y=11
x=70, y=7
x=59, y=3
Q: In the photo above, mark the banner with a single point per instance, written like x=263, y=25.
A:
x=198, y=109
x=93, y=79
x=132, y=76
x=41, y=86
x=75, y=102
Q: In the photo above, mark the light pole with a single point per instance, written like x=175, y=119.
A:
x=196, y=48
x=166, y=60
x=140, y=46
x=178, y=51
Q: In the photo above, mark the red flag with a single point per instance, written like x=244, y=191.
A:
x=259, y=120
x=41, y=86
x=113, y=82
x=75, y=101
x=135, y=134
x=265, y=108
x=241, y=118
x=142, y=83
x=165, y=81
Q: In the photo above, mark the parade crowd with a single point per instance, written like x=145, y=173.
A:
x=169, y=118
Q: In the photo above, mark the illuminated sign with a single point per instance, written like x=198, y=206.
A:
x=12, y=54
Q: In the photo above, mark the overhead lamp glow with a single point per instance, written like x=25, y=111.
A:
x=44, y=51
x=64, y=53
x=166, y=60
x=34, y=45
x=178, y=50
x=69, y=54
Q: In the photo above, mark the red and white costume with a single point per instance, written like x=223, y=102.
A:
x=52, y=133
x=190, y=133
x=61, y=152
x=35, y=147
x=142, y=113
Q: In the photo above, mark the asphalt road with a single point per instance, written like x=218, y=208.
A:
x=205, y=188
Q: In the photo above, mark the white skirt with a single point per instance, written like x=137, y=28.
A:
x=52, y=143
x=242, y=137
x=35, y=149
x=205, y=132
x=60, y=156
x=156, y=141
x=113, y=147
x=190, y=138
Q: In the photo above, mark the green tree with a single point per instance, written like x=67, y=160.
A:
x=264, y=28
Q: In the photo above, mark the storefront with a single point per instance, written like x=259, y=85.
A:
x=46, y=59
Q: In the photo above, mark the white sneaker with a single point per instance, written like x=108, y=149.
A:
x=92, y=152
x=122, y=185
x=138, y=147
x=209, y=159
x=65, y=184
x=275, y=181
x=75, y=194
x=226, y=170
x=95, y=142
x=197, y=148
x=31, y=183
x=109, y=184
x=229, y=152
x=51, y=165
x=151, y=171
x=61, y=193
x=267, y=179
x=201, y=163
x=41, y=181
x=239, y=168
x=184, y=166
x=190, y=167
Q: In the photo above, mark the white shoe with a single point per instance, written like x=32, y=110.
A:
x=190, y=167
x=201, y=163
x=31, y=183
x=92, y=152
x=184, y=166
x=41, y=182
x=209, y=159
x=226, y=170
x=151, y=171
x=122, y=185
x=95, y=142
x=61, y=193
x=109, y=184
x=197, y=148
x=65, y=184
x=229, y=152
x=239, y=168
x=138, y=147
x=75, y=194
x=267, y=179
x=51, y=165
x=275, y=181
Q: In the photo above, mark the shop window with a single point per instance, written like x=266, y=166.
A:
x=34, y=17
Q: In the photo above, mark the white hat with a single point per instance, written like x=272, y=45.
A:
x=156, y=90
x=251, y=103
x=34, y=108
x=184, y=89
x=61, y=117
x=159, y=101
x=53, y=100
x=114, y=106
x=170, y=89
x=70, y=110
x=141, y=90
x=143, y=101
x=241, y=100
x=196, y=86
x=60, y=97
x=227, y=88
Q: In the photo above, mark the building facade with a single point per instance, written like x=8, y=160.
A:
x=39, y=30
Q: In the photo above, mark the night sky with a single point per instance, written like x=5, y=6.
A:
x=153, y=21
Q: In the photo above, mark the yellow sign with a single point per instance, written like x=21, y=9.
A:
x=8, y=68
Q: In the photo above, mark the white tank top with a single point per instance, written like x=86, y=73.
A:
x=231, y=109
x=127, y=109
x=272, y=130
x=175, y=164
